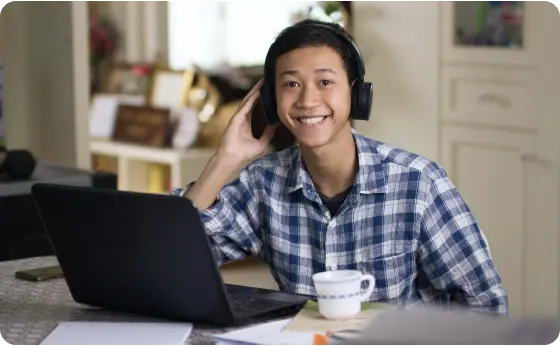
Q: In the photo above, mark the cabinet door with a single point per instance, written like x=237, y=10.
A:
x=490, y=171
x=490, y=96
x=493, y=32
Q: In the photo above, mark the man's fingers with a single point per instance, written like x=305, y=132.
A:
x=257, y=86
x=246, y=107
x=253, y=90
x=247, y=103
x=268, y=134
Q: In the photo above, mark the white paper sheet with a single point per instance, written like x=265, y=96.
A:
x=271, y=333
x=118, y=333
x=187, y=129
x=103, y=112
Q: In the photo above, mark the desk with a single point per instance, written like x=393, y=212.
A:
x=29, y=311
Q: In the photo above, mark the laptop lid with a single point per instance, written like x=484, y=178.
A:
x=434, y=325
x=141, y=253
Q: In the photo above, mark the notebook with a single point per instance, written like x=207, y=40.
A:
x=118, y=333
x=271, y=333
x=310, y=320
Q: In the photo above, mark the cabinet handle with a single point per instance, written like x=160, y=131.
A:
x=529, y=157
x=502, y=100
x=533, y=157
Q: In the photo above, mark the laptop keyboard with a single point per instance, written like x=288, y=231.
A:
x=244, y=305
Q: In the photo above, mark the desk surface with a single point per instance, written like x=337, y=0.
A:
x=46, y=172
x=29, y=311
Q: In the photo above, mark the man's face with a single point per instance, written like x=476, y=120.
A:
x=313, y=94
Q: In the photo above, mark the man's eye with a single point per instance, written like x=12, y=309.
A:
x=325, y=82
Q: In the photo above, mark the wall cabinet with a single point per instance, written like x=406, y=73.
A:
x=484, y=77
x=490, y=169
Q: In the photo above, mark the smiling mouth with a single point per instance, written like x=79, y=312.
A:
x=311, y=120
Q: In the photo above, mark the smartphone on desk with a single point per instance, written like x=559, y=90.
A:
x=40, y=274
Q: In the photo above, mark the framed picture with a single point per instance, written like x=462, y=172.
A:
x=143, y=125
x=170, y=88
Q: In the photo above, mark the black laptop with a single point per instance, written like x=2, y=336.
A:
x=147, y=254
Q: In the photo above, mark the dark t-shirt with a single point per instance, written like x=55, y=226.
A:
x=334, y=203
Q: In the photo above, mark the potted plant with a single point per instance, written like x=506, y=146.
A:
x=103, y=40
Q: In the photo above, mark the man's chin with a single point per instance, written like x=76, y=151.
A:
x=314, y=142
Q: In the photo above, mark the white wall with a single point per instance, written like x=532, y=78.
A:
x=47, y=79
x=225, y=28
x=2, y=50
x=185, y=20
x=399, y=42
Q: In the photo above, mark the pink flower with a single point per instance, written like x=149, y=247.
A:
x=142, y=70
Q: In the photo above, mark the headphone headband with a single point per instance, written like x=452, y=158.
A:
x=353, y=47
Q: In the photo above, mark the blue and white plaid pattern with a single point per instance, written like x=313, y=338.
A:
x=403, y=222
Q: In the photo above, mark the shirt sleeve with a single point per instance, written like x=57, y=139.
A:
x=454, y=254
x=233, y=221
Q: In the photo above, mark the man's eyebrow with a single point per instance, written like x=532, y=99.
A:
x=318, y=70
x=330, y=70
x=288, y=72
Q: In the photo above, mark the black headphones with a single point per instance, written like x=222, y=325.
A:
x=362, y=92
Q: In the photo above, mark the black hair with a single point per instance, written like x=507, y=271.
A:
x=303, y=34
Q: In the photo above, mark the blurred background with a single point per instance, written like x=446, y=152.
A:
x=136, y=95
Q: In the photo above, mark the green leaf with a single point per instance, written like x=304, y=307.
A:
x=331, y=6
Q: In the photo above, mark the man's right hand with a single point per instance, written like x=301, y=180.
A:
x=237, y=142
x=237, y=146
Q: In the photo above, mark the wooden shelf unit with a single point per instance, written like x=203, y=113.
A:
x=135, y=164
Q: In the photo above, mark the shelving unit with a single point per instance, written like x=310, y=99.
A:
x=137, y=165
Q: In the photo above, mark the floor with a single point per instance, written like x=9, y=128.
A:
x=249, y=272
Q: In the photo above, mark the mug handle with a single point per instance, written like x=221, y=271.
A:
x=369, y=290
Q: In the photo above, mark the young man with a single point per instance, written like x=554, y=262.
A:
x=339, y=200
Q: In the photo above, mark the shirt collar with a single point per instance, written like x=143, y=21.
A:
x=371, y=176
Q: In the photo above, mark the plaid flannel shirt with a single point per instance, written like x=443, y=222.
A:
x=403, y=222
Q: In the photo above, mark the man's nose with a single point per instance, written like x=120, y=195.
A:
x=308, y=97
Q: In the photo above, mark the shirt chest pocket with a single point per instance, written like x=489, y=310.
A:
x=393, y=275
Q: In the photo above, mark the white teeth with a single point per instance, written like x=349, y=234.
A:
x=313, y=120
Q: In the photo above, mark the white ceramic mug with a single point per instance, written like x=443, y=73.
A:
x=338, y=292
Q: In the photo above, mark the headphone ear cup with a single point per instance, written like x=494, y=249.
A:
x=366, y=96
x=362, y=94
x=354, y=111
x=269, y=104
